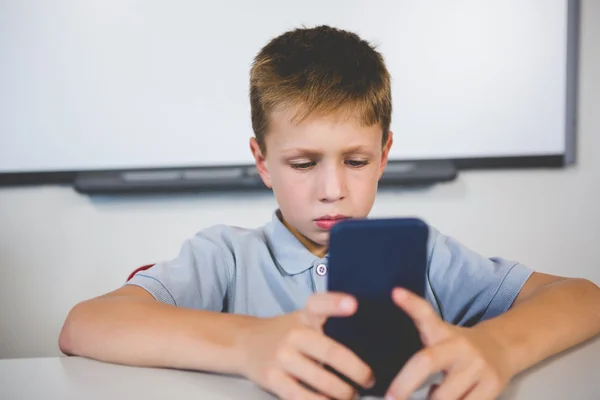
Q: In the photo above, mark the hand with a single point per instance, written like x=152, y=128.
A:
x=471, y=359
x=283, y=352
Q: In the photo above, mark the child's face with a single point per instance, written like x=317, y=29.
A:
x=321, y=170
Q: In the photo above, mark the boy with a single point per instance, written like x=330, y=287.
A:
x=251, y=302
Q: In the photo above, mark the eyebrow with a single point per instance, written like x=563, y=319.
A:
x=293, y=152
x=358, y=149
x=300, y=152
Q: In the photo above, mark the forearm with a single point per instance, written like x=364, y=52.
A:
x=551, y=320
x=145, y=332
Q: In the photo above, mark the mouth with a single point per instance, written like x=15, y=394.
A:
x=326, y=222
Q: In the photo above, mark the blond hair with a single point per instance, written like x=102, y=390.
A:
x=319, y=71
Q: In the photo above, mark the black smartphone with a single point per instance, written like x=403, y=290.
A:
x=367, y=259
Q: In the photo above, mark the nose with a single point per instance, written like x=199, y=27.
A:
x=332, y=183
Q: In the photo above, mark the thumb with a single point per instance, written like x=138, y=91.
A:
x=321, y=306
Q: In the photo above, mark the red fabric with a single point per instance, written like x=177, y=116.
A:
x=142, y=268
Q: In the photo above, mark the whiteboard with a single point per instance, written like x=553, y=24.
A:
x=118, y=84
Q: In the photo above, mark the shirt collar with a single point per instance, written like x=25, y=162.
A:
x=290, y=253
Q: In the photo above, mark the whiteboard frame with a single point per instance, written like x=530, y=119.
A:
x=448, y=168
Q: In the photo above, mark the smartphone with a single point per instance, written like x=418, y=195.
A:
x=367, y=259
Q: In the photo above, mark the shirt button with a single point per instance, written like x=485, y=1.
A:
x=321, y=269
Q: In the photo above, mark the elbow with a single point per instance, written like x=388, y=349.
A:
x=596, y=287
x=587, y=285
x=588, y=293
x=66, y=338
x=594, y=297
x=64, y=341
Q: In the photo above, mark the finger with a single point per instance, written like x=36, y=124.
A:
x=456, y=384
x=285, y=387
x=419, y=367
x=326, y=350
x=432, y=390
x=313, y=374
x=320, y=306
x=428, y=322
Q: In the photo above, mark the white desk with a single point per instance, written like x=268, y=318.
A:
x=574, y=375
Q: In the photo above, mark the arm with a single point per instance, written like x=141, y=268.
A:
x=550, y=314
x=128, y=326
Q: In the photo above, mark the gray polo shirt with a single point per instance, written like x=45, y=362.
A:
x=267, y=272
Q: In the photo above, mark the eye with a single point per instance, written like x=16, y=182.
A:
x=304, y=165
x=356, y=163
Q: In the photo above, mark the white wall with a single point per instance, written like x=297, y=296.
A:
x=58, y=247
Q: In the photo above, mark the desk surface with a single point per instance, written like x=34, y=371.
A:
x=571, y=375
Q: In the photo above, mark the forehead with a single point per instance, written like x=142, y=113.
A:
x=285, y=129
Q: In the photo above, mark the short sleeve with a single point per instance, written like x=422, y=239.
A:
x=197, y=278
x=466, y=287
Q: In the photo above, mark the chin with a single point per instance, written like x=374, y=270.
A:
x=320, y=238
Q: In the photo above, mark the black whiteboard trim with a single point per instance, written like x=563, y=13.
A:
x=572, y=81
x=520, y=162
x=398, y=173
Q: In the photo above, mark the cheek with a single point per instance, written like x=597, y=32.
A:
x=362, y=187
x=291, y=185
x=365, y=179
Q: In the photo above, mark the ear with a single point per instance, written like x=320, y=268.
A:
x=261, y=162
x=385, y=153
